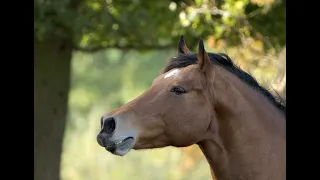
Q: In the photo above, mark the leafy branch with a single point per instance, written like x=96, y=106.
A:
x=123, y=47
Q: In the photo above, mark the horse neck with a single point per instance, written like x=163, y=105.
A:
x=247, y=133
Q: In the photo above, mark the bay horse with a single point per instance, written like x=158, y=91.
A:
x=204, y=99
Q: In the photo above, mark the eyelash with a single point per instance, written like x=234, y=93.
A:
x=178, y=90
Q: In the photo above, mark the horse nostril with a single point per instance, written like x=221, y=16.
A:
x=109, y=125
x=100, y=140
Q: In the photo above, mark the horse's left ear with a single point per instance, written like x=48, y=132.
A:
x=182, y=46
x=203, y=58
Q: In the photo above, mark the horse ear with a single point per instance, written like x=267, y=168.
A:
x=182, y=47
x=203, y=58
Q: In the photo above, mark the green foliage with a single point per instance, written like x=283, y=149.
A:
x=270, y=23
x=137, y=24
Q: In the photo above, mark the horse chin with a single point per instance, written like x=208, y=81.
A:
x=122, y=147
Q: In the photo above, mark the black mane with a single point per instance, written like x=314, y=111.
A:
x=223, y=60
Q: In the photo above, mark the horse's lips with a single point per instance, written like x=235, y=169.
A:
x=123, y=144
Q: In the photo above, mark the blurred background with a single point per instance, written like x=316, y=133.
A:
x=91, y=56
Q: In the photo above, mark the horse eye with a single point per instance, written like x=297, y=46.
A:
x=177, y=90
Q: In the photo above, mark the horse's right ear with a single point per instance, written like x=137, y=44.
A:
x=203, y=58
x=182, y=47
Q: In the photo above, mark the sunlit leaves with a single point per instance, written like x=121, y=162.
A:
x=173, y=6
x=262, y=2
x=94, y=5
x=100, y=23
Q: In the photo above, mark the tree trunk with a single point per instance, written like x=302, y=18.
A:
x=51, y=86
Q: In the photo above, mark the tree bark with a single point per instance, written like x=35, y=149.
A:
x=51, y=86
